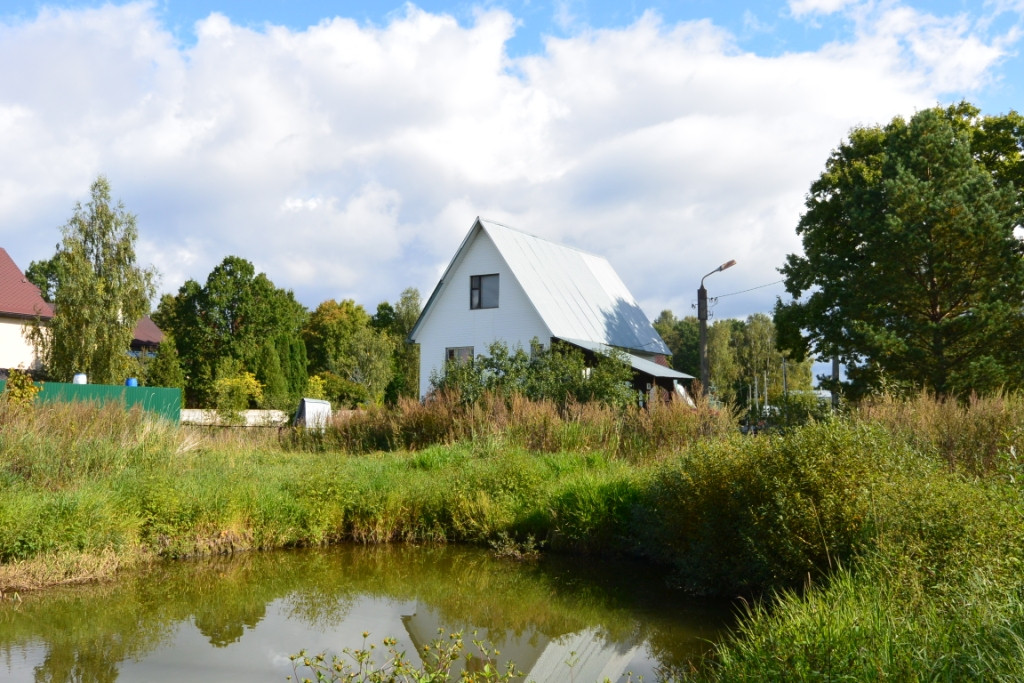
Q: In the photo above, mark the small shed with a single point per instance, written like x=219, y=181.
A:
x=313, y=413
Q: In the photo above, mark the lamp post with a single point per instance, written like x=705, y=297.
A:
x=702, y=316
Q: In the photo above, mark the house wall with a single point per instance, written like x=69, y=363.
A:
x=453, y=324
x=15, y=351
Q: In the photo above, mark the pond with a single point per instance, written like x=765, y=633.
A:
x=239, y=618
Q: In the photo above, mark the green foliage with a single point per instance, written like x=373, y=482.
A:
x=682, y=336
x=165, y=369
x=98, y=290
x=341, y=392
x=746, y=514
x=44, y=275
x=560, y=374
x=440, y=660
x=939, y=597
x=798, y=408
x=910, y=266
x=398, y=321
x=317, y=388
x=887, y=544
x=19, y=389
x=237, y=315
x=235, y=388
x=742, y=357
x=341, y=342
x=634, y=433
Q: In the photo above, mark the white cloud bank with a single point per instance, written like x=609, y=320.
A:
x=348, y=160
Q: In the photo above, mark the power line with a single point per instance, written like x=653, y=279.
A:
x=722, y=296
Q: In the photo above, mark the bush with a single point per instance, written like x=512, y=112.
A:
x=748, y=514
x=20, y=390
x=559, y=374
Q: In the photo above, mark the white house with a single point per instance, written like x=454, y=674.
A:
x=20, y=304
x=505, y=285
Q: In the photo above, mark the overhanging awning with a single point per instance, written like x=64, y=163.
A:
x=639, y=364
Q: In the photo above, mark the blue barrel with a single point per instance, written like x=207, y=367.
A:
x=131, y=382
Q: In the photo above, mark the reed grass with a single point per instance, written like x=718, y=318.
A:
x=634, y=433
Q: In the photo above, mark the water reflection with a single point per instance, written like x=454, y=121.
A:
x=239, y=618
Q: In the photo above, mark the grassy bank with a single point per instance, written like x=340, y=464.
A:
x=89, y=490
x=885, y=545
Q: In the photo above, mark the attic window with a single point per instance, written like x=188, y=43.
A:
x=483, y=291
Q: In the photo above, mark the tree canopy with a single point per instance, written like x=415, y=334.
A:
x=98, y=290
x=682, y=336
x=911, y=271
x=237, y=322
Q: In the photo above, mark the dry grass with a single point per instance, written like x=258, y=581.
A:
x=975, y=436
x=539, y=426
x=67, y=568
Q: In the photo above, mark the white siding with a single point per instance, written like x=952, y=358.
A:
x=451, y=322
x=15, y=351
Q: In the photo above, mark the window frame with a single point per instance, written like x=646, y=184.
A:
x=460, y=354
x=477, y=290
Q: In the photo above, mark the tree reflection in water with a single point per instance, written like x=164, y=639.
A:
x=87, y=633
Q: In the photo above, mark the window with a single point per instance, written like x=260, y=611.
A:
x=483, y=291
x=462, y=354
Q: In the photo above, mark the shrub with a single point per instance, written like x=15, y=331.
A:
x=559, y=374
x=20, y=390
x=746, y=514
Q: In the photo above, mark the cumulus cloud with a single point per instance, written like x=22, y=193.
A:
x=349, y=159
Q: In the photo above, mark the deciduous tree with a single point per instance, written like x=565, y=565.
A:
x=98, y=290
x=237, y=315
x=682, y=336
x=342, y=342
x=911, y=271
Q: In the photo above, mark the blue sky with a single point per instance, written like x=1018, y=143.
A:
x=345, y=148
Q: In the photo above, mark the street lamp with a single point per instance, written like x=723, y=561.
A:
x=702, y=316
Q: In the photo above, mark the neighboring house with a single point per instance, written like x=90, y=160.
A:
x=146, y=338
x=20, y=305
x=505, y=285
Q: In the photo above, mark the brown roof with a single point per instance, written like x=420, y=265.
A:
x=147, y=333
x=19, y=298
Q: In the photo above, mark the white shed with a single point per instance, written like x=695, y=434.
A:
x=506, y=285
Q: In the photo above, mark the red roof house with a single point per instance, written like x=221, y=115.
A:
x=20, y=304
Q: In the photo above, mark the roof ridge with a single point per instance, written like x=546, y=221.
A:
x=560, y=245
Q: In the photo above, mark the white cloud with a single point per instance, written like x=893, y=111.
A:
x=348, y=160
x=801, y=8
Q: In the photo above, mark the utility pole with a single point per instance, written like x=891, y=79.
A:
x=702, y=317
x=835, y=382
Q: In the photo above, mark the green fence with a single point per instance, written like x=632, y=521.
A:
x=162, y=401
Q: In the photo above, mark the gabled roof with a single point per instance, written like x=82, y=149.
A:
x=19, y=298
x=578, y=295
x=147, y=333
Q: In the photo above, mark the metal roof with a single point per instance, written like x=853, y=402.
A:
x=639, y=364
x=578, y=295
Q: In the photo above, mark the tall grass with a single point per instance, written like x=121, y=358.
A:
x=86, y=480
x=977, y=436
x=58, y=444
x=634, y=433
x=932, y=588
